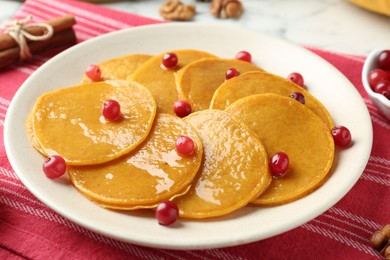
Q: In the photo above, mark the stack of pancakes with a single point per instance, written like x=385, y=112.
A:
x=236, y=125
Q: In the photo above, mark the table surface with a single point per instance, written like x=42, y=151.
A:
x=335, y=25
x=27, y=226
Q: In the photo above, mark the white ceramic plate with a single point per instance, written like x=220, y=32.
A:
x=244, y=226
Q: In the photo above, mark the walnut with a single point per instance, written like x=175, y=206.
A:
x=226, y=8
x=177, y=11
x=381, y=241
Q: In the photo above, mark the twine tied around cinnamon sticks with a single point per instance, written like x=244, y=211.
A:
x=22, y=38
x=17, y=30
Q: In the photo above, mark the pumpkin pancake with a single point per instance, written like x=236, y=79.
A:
x=283, y=124
x=161, y=81
x=234, y=170
x=119, y=68
x=258, y=82
x=69, y=121
x=198, y=81
x=152, y=173
x=31, y=134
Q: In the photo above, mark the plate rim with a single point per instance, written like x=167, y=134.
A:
x=207, y=244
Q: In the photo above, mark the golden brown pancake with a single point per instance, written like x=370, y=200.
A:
x=31, y=134
x=234, y=170
x=285, y=125
x=120, y=68
x=69, y=121
x=198, y=81
x=161, y=81
x=152, y=173
x=258, y=82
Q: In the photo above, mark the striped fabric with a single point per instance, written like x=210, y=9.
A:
x=28, y=229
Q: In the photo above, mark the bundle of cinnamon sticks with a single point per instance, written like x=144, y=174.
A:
x=63, y=34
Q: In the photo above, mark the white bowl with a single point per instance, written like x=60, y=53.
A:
x=380, y=101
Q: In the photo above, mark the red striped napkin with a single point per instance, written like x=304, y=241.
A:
x=28, y=229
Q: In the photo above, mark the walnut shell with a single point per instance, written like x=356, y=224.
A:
x=175, y=10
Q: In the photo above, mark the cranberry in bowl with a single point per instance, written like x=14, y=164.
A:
x=375, y=72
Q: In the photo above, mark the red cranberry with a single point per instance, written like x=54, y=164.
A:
x=182, y=108
x=383, y=88
x=377, y=75
x=93, y=72
x=244, y=56
x=231, y=73
x=296, y=78
x=384, y=60
x=278, y=164
x=184, y=145
x=111, y=110
x=54, y=166
x=170, y=60
x=341, y=136
x=167, y=213
x=298, y=96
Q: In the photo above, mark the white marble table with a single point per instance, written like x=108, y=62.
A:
x=335, y=25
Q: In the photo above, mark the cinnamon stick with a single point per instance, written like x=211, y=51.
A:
x=12, y=55
x=59, y=24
